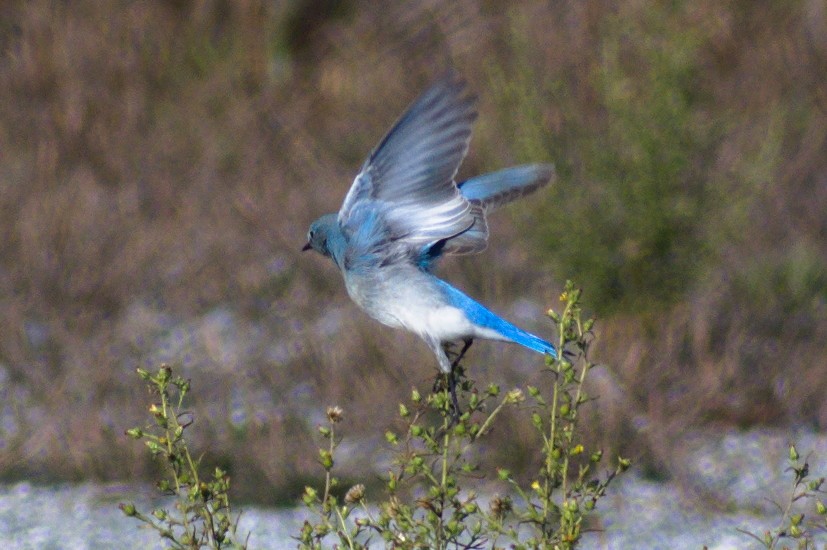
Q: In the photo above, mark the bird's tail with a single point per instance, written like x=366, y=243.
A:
x=498, y=188
x=525, y=339
x=491, y=326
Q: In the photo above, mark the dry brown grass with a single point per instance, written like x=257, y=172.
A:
x=160, y=162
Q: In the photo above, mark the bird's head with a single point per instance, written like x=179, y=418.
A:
x=318, y=236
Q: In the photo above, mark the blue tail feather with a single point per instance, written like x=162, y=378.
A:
x=485, y=318
x=498, y=188
x=518, y=335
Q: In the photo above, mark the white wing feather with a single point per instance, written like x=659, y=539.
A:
x=409, y=177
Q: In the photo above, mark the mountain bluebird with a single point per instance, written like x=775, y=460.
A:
x=404, y=211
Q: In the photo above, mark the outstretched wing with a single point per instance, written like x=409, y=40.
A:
x=408, y=180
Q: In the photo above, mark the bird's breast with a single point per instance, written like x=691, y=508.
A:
x=411, y=302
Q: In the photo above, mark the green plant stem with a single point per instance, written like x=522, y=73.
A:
x=446, y=440
x=488, y=421
x=446, y=443
x=327, y=477
x=552, y=443
x=553, y=425
x=343, y=528
x=170, y=416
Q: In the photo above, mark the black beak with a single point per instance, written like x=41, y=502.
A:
x=306, y=247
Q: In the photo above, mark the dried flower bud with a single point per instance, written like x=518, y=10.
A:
x=334, y=414
x=356, y=494
x=164, y=373
x=515, y=396
x=500, y=506
x=393, y=507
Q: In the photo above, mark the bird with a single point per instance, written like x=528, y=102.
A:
x=405, y=211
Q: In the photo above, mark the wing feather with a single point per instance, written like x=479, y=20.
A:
x=409, y=177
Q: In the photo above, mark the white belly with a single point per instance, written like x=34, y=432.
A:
x=443, y=322
x=417, y=307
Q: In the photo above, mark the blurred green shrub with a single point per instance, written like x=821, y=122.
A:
x=788, y=289
x=629, y=161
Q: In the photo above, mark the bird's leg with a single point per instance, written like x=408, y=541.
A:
x=466, y=343
x=453, y=375
x=451, y=369
x=452, y=387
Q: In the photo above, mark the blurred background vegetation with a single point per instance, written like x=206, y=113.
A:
x=160, y=162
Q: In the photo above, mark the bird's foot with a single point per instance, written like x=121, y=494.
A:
x=449, y=351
